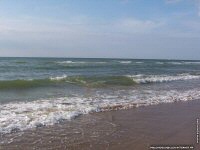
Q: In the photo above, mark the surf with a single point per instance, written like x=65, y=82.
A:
x=94, y=81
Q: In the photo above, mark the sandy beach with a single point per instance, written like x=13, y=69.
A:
x=134, y=129
x=100, y=75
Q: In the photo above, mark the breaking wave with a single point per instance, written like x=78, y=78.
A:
x=18, y=116
x=95, y=81
x=162, y=78
x=79, y=62
x=125, y=62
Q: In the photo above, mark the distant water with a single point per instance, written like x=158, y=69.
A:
x=43, y=91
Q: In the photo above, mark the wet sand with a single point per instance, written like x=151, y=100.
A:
x=133, y=129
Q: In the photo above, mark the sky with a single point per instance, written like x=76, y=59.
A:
x=140, y=29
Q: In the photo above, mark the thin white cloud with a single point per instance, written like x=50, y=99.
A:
x=132, y=25
x=78, y=25
x=74, y=36
x=128, y=37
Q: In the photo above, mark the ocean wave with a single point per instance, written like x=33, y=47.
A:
x=58, y=78
x=139, y=62
x=25, y=115
x=19, y=116
x=79, y=62
x=20, y=62
x=70, y=62
x=159, y=63
x=23, y=84
x=161, y=78
x=175, y=63
x=193, y=62
x=30, y=83
x=95, y=81
x=125, y=62
x=184, y=63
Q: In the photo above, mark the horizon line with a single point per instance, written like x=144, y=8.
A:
x=99, y=58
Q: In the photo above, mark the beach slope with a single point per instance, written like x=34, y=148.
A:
x=134, y=129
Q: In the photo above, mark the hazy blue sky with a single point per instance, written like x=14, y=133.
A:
x=100, y=28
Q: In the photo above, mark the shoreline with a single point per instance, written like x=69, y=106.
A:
x=137, y=128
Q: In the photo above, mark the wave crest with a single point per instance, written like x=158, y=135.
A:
x=95, y=81
x=58, y=78
x=162, y=78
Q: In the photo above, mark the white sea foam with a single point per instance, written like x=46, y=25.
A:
x=192, y=62
x=184, y=63
x=162, y=78
x=125, y=62
x=71, y=62
x=160, y=63
x=175, y=63
x=79, y=62
x=26, y=115
x=58, y=78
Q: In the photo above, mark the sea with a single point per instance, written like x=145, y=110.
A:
x=37, y=92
